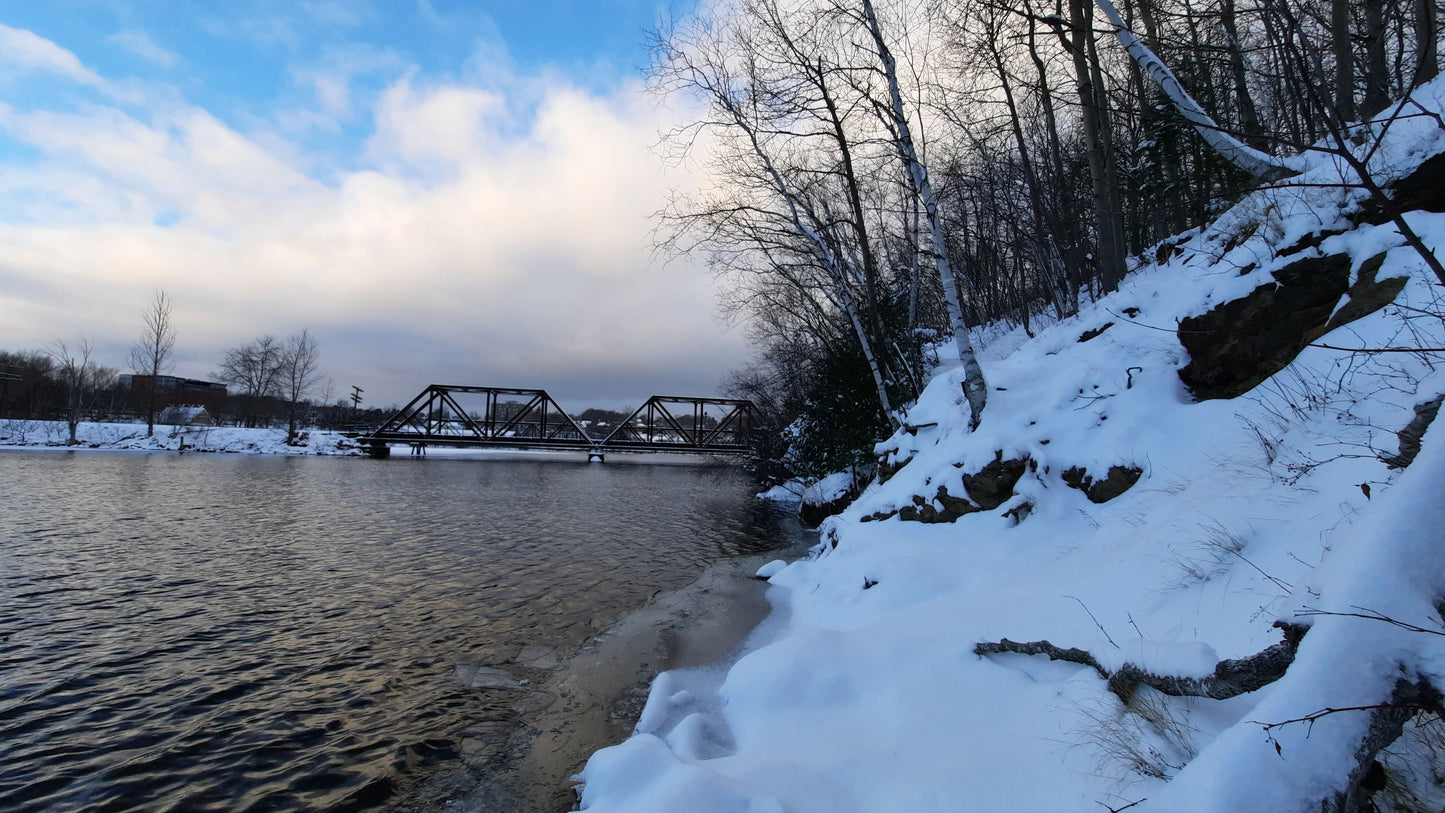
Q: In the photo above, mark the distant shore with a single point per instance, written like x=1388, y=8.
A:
x=28, y=434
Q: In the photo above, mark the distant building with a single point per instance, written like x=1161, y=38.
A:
x=174, y=391
x=176, y=415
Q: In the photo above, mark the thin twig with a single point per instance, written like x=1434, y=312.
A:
x=1381, y=349
x=1096, y=621
x=1371, y=615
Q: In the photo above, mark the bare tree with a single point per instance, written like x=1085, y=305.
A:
x=299, y=375
x=78, y=374
x=151, y=354
x=254, y=367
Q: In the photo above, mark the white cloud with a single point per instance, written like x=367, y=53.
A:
x=28, y=50
x=477, y=247
x=140, y=43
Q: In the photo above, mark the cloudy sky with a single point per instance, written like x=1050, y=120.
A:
x=450, y=191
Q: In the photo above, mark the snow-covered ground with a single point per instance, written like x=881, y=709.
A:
x=132, y=436
x=863, y=692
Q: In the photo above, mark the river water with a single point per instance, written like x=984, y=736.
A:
x=228, y=632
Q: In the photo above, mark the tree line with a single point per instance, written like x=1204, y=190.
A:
x=269, y=380
x=885, y=173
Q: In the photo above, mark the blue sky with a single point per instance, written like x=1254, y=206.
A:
x=441, y=190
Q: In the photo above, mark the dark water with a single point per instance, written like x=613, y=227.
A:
x=250, y=633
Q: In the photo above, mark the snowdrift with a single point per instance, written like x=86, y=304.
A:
x=1144, y=540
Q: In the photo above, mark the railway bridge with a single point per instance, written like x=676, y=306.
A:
x=504, y=418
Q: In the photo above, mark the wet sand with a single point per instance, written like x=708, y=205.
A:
x=567, y=710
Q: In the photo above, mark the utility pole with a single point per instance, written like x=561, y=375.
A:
x=355, y=400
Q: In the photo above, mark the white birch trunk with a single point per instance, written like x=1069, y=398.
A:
x=1256, y=162
x=975, y=388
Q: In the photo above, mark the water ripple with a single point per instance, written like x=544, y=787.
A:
x=233, y=633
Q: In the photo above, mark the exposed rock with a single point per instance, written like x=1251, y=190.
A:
x=1420, y=190
x=1309, y=241
x=1094, y=333
x=923, y=510
x=994, y=484
x=826, y=497
x=1367, y=295
x=1414, y=431
x=1238, y=344
x=1119, y=480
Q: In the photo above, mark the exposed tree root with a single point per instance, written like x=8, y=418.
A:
x=1231, y=677
x=1238, y=676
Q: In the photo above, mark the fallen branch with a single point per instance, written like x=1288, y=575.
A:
x=1072, y=655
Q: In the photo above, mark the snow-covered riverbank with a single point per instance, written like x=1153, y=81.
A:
x=1132, y=533
x=132, y=436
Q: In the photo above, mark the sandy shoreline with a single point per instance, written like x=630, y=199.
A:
x=593, y=698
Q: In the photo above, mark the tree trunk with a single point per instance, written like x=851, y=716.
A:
x=975, y=389
x=1377, y=76
x=1344, y=59
x=1048, y=261
x=1109, y=257
x=1427, y=40
x=1248, y=115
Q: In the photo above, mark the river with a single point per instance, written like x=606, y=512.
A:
x=233, y=632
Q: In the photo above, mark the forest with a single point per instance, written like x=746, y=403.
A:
x=883, y=174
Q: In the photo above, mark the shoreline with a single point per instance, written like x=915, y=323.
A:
x=593, y=698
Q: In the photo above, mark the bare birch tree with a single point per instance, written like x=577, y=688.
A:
x=975, y=388
x=1256, y=162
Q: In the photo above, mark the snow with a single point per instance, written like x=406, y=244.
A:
x=862, y=691
x=833, y=487
x=771, y=569
x=128, y=436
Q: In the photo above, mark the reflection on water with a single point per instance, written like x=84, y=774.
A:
x=249, y=633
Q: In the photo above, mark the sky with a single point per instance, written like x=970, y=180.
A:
x=441, y=191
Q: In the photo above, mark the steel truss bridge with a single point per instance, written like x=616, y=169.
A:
x=497, y=417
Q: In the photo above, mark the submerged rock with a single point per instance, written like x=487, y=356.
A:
x=488, y=677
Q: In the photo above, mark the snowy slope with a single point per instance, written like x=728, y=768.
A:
x=863, y=691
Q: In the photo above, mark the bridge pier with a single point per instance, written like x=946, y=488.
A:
x=597, y=456
x=377, y=450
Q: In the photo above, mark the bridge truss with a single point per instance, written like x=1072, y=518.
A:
x=497, y=417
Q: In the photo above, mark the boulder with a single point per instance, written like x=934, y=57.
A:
x=1238, y=344
x=1119, y=480
x=993, y=485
